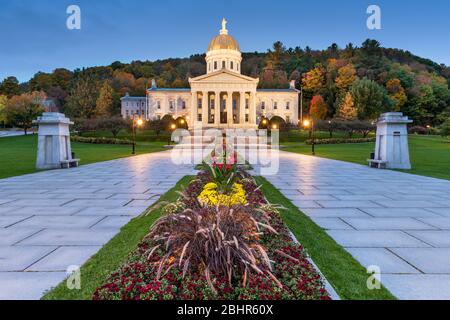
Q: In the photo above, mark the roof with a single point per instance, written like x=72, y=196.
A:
x=277, y=90
x=223, y=41
x=170, y=89
x=132, y=98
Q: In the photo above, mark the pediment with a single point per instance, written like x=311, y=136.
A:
x=223, y=76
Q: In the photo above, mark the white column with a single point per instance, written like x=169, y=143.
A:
x=242, y=108
x=229, y=107
x=252, y=116
x=194, y=110
x=205, y=108
x=217, y=109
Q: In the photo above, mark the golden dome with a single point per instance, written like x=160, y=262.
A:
x=223, y=41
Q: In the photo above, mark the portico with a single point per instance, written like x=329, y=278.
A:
x=224, y=100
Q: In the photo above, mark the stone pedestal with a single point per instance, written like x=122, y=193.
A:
x=392, y=141
x=54, y=140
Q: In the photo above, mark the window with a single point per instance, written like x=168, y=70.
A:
x=142, y=112
x=127, y=113
x=231, y=65
x=199, y=103
x=223, y=64
x=183, y=104
x=275, y=105
x=199, y=117
x=212, y=103
x=288, y=105
x=158, y=105
x=247, y=103
x=171, y=105
x=263, y=105
x=215, y=65
x=246, y=118
x=234, y=104
x=223, y=103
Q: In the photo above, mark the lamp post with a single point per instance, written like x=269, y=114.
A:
x=172, y=128
x=136, y=123
x=310, y=124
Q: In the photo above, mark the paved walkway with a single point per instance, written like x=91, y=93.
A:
x=55, y=219
x=397, y=221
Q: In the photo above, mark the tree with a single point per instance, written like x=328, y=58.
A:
x=113, y=125
x=314, y=80
x=445, y=128
x=318, y=108
x=369, y=99
x=346, y=77
x=105, y=101
x=347, y=109
x=3, y=101
x=22, y=110
x=396, y=93
x=82, y=100
x=10, y=87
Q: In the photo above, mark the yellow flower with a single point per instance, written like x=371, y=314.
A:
x=211, y=197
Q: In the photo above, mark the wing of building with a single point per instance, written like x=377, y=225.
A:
x=222, y=98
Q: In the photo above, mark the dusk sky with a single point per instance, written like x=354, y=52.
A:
x=34, y=36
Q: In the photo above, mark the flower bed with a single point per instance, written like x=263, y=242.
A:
x=225, y=250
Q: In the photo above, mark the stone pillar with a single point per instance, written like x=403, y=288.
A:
x=229, y=107
x=53, y=140
x=242, y=107
x=205, y=108
x=217, y=109
x=392, y=140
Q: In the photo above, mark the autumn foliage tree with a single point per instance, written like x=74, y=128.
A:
x=318, y=108
x=23, y=109
x=396, y=93
x=314, y=80
x=347, y=109
x=105, y=101
x=346, y=77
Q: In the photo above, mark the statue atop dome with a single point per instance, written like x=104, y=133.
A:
x=224, y=27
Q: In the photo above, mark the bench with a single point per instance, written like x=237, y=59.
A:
x=73, y=163
x=380, y=164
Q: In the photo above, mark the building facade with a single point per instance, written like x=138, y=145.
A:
x=222, y=98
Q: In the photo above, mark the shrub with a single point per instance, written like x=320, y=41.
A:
x=418, y=130
x=340, y=141
x=101, y=140
x=212, y=241
x=445, y=128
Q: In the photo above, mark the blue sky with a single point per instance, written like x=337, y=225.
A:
x=35, y=38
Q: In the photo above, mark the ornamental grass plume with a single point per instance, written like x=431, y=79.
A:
x=213, y=241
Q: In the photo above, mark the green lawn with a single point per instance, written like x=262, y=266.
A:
x=344, y=273
x=95, y=272
x=18, y=154
x=430, y=155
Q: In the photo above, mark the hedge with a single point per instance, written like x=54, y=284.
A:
x=340, y=140
x=100, y=140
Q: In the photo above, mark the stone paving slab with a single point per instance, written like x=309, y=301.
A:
x=418, y=286
x=28, y=285
x=406, y=233
x=382, y=258
x=52, y=219
x=63, y=258
x=428, y=260
x=20, y=258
